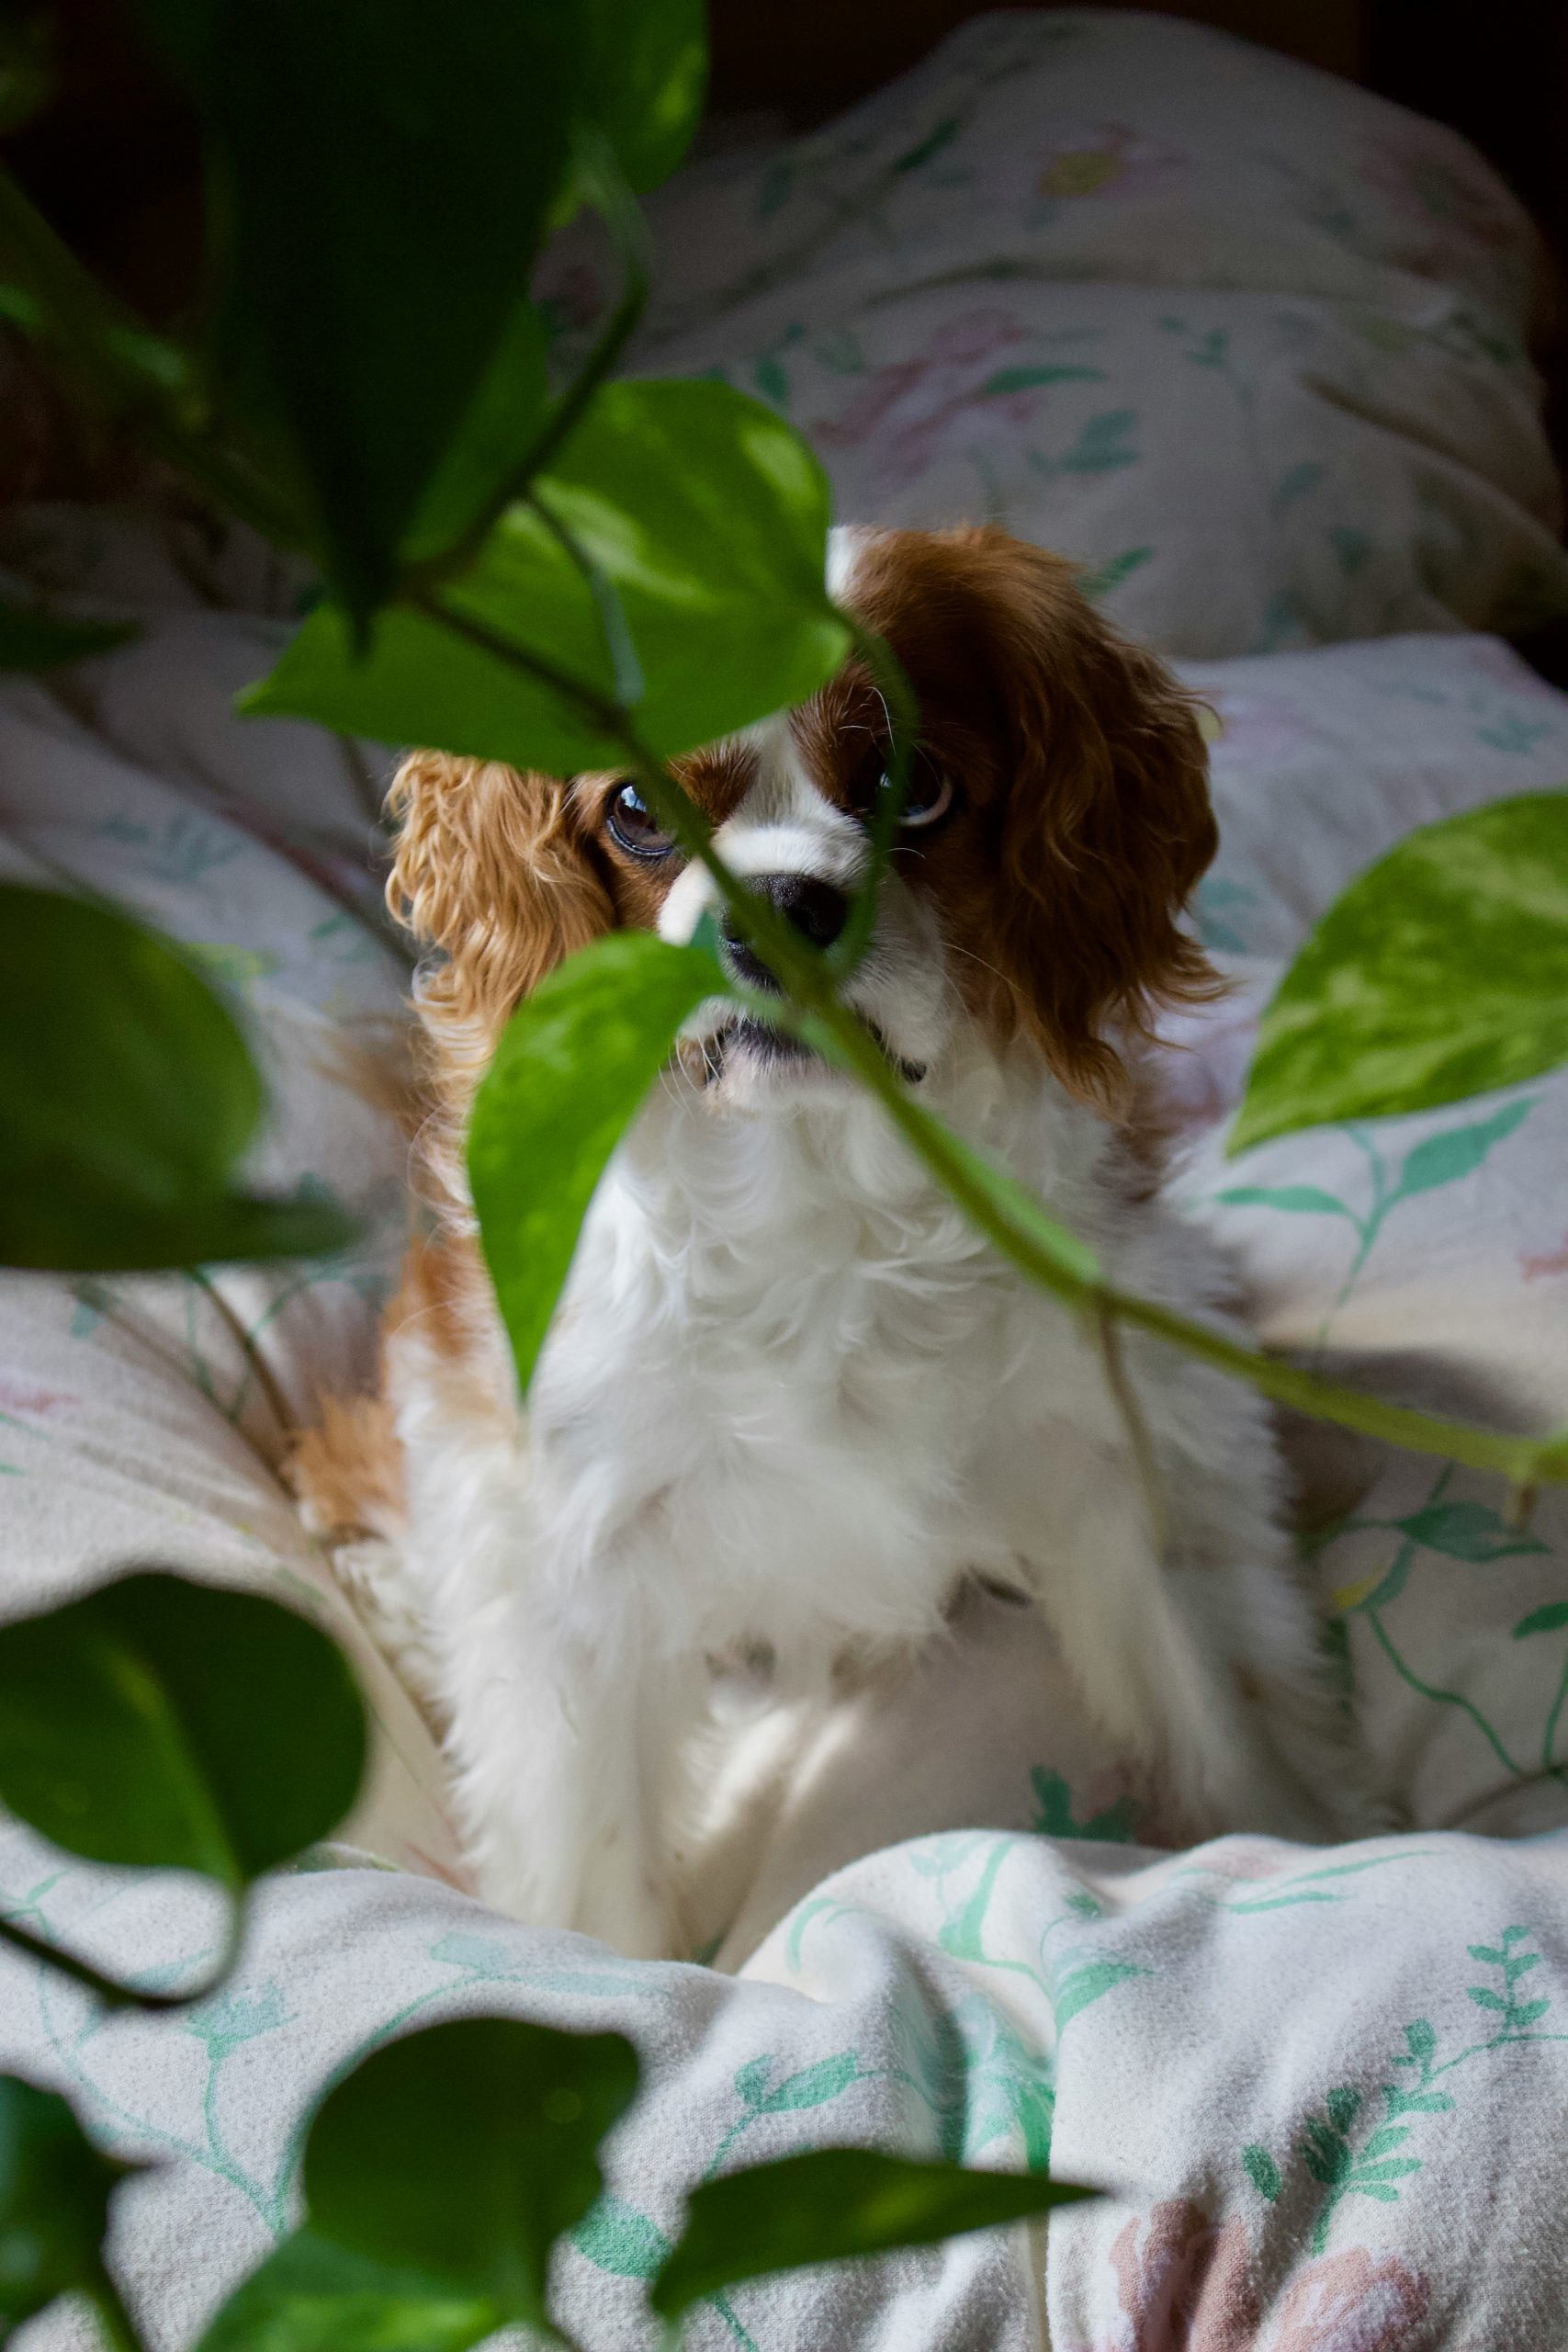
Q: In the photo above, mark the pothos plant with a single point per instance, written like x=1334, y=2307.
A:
x=562, y=575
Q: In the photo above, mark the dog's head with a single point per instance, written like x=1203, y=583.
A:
x=1056, y=820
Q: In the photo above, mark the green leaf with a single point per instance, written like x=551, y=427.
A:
x=709, y=517
x=1458, y=1152
x=570, y=1068
x=1305, y=1199
x=311, y=2295
x=384, y=173
x=646, y=81
x=466, y=2150
x=1421, y=2037
x=130, y=1096
x=1467, y=1532
x=1486, y=1999
x=1384, y=2142
x=1489, y=1953
x=1441, y=972
x=31, y=638
x=832, y=2203
x=1262, y=2171
x=168, y=1723
x=501, y=420
x=1527, y=2013
x=1549, y=1619
x=54, y=2193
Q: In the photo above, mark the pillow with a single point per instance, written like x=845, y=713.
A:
x=1248, y=342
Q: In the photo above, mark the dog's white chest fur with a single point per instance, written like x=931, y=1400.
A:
x=791, y=1400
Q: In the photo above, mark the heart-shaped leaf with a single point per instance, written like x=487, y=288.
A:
x=572, y=1067
x=1441, y=972
x=465, y=2150
x=54, y=2194
x=130, y=1096
x=645, y=80
x=168, y=1723
x=831, y=2203
x=385, y=170
x=707, y=519
x=313, y=2295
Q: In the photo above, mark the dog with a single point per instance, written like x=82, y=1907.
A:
x=793, y=1402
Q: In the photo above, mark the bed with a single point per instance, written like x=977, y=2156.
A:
x=1256, y=348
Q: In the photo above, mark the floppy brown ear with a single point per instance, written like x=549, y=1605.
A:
x=1106, y=825
x=492, y=869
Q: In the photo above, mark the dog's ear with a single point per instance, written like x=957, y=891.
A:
x=492, y=870
x=1106, y=825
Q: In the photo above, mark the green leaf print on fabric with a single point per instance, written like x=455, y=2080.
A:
x=1100, y=579
x=1027, y=379
x=1439, y=1160
x=808, y=2088
x=1475, y=1533
x=980, y=2080
x=1467, y=1532
x=617, y=2238
x=1375, y=2168
x=1053, y=1816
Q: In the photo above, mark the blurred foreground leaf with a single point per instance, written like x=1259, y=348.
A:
x=831, y=2203
x=130, y=1096
x=314, y=2296
x=54, y=2194
x=166, y=1724
x=383, y=171
x=463, y=2151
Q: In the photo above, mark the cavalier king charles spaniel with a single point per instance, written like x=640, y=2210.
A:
x=793, y=1404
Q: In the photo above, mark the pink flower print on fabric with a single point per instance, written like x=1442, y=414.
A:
x=1101, y=159
x=1184, y=2285
x=1447, y=217
x=960, y=389
x=1252, y=730
x=1353, y=2302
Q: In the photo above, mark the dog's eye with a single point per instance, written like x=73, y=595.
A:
x=930, y=796
x=634, y=825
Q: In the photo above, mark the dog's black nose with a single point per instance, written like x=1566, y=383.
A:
x=817, y=909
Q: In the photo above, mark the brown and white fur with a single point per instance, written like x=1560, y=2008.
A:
x=792, y=1402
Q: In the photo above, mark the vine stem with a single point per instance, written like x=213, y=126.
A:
x=1026, y=1236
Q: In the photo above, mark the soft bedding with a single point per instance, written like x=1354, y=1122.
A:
x=1324, y=2086
x=1251, y=343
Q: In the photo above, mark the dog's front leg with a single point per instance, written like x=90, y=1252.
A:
x=561, y=1752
